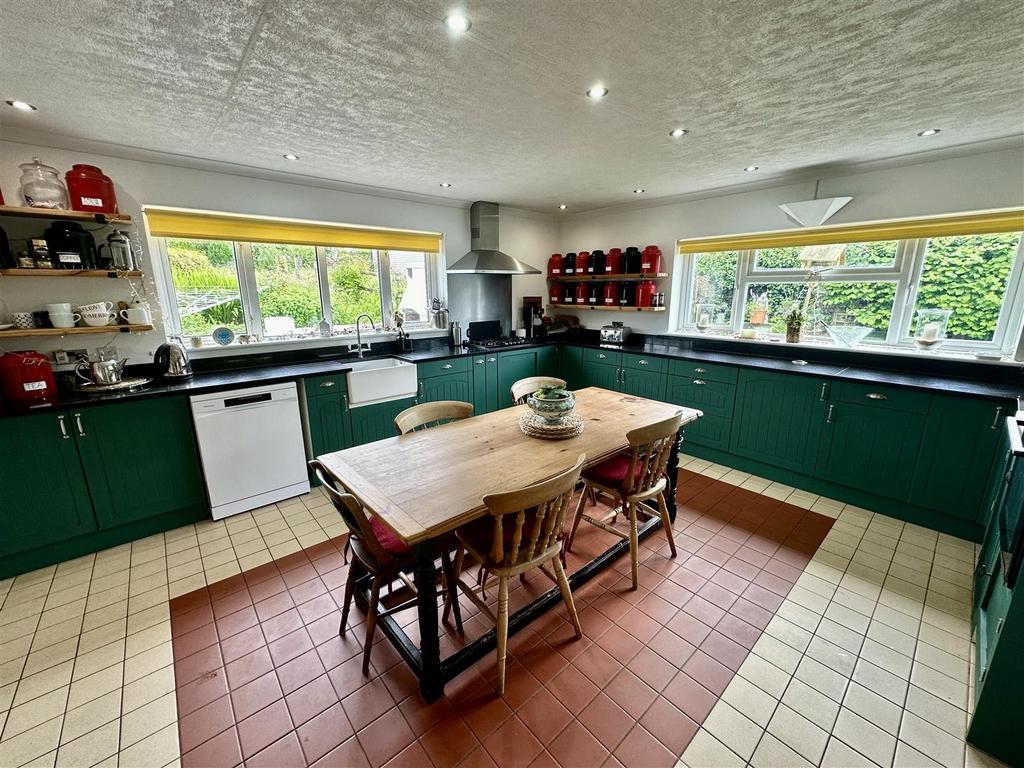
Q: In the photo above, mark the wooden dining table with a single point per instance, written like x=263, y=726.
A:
x=428, y=483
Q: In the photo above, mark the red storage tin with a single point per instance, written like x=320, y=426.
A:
x=582, y=293
x=27, y=381
x=555, y=264
x=650, y=262
x=613, y=262
x=645, y=291
x=90, y=189
x=582, y=262
x=555, y=293
x=611, y=294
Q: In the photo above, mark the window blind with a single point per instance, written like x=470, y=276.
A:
x=207, y=225
x=979, y=223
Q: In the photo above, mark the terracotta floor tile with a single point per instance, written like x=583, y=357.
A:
x=606, y=720
x=449, y=741
x=385, y=737
x=572, y=689
x=739, y=631
x=657, y=608
x=577, y=746
x=512, y=744
x=544, y=716
x=754, y=615
x=631, y=693
x=690, y=696
x=421, y=716
x=311, y=699
x=324, y=732
x=316, y=608
x=413, y=756
x=301, y=574
x=689, y=628
x=234, y=623
x=189, y=621
x=198, y=664
x=271, y=585
x=254, y=696
x=708, y=672
x=717, y=595
x=724, y=650
x=272, y=606
x=309, y=590
x=264, y=728
x=236, y=601
x=187, y=602
x=619, y=644
x=483, y=711
x=639, y=625
x=283, y=753
x=704, y=610
x=291, y=646
x=773, y=583
x=296, y=673
x=248, y=668
x=226, y=586
x=763, y=597
x=740, y=568
x=669, y=725
x=367, y=704
x=246, y=641
x=348, y=755
x=641, y=750
x=597, y=665
x=192, y=642
x=478, y=758
x=654, y=669
x=201, y=691
x=544, y=662
x=222, y=750
x=204, y=723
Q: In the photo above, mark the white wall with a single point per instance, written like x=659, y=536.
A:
x=529, y=237
x=150, y=183
x=971, y=182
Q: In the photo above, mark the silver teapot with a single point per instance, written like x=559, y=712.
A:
x=101, y=372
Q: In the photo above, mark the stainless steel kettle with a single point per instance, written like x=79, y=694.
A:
x=172, y=361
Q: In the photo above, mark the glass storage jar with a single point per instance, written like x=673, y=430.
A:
x=41, y=186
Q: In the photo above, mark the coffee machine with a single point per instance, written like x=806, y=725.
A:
x=533, y=317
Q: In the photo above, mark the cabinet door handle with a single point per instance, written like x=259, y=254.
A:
x=699, y=382
x=420, y=394
x=344, y=401
x=480, y=361
x=999, y=414
x=446, y=366
x=700, y=370
x=492, y=359
x=876, y=396
x=601, y=355
x=831, y=412
x=641, y=362
x=63, y=428
x=78, y=423
x=326, y=384
x=824, y=391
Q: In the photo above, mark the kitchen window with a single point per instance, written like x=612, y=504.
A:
x=270, y=288
x=877, y=290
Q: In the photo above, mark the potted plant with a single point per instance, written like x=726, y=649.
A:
x=552, y=403
x=794, y=320
x=759, y=309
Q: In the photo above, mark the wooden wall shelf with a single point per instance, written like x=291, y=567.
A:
x=76, y=331
x=605, y=278
x=55, y=213
x=609, y=309
x=69, y=273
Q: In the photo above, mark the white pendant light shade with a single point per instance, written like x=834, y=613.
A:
x=814, y=213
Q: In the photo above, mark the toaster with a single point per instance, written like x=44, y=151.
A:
x=616, y=333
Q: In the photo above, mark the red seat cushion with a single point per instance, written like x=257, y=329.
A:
x=387, y=538
x=612, y=472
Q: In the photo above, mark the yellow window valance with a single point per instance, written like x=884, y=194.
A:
x=979, y=223
x=207, y=225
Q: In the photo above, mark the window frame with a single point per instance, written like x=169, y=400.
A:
x=906, y=271
x=251, y=312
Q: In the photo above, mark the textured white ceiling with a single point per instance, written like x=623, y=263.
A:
x=377, y=92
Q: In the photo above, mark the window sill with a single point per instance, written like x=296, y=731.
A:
x=961, y=355
x=262, y=347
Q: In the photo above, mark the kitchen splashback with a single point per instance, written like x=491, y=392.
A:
x=481, y=297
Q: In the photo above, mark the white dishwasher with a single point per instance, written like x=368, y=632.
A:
x=250, y=442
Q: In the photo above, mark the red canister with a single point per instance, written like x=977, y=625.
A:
x=26, y=381
x=555, y=265
x=582, y=262
x=650, y=262
x=611, y=294
x=645, y=291
x=555, y=293
x=613, y=262
x=582, y=293
x=90, y=189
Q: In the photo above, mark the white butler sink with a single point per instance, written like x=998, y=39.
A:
x=377, y=381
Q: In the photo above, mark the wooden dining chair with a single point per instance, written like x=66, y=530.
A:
x=379, y=553
x=631, y=479
x=426, y=415
x=526, y=387
x=522, y=530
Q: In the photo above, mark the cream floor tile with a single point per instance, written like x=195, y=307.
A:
x=104, y=616
x=159, y=748
x=733, y=729
x=224, y=571
x=186, y=585
x=148, y=638
x=142, y=601
x=940, y=685
x=92, y=715
x=705, y=751
x=148, y=719
x=931, y=740
x=821, y=678
x=43, y=682
x=839, y=755
x=908, y=757
x=31, y=744
x=750, y=701
x=147, y=662
x=100, y=658
x=764, y=675
x=24, y=717
x=811, y=704
x=772, y=753
x=798, y=733
x=948, y=664
x=865, y=738
x=147, y=688
x=149, y=617
x=89, y=749
x=936, y=711
x=99, y=684
x=873, y=708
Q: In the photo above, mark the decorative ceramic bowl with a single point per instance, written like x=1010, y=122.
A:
x=552, y=405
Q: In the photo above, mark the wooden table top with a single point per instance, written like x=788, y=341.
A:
x=427, y=483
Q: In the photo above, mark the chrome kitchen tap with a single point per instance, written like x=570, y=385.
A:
x=359, y=337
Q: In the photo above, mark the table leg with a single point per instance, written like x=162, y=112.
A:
x=673, y=477
x=425, y=576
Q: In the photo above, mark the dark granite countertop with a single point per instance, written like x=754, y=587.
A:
x=1009, y=387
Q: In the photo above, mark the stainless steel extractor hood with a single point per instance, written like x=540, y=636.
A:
x=485, y=258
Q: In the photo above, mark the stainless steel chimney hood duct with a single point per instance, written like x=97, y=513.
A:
x=485, y=258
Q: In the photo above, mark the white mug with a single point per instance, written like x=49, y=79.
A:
x=58, y=309
x=64, y=319
x=100, y=306
x=97, y=319
x=135, y=315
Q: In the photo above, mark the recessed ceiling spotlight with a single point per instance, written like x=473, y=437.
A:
x=597, y=92
x=458, y=22
x=290, y=156
x=24, y=106
x=444, y=184
x=925, y=132
x=675, y=133
x=639, y=191
x=750, y=168
x=562, y=206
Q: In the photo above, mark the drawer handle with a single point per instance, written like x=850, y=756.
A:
x=830, y=414
x=78, y=422
x=700, y=370
x=480, y=362
x=492, y=359
x=876, y=396
x=446, y=366
x=326, y=384
x=824, y=391
x=999, y=413
x=641, y=362
x=699, y=382
x=63, y=428
x=602, y=355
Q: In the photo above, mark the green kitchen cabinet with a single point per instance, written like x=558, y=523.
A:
x=450, y=379
x=45, y=495
x=330, y=422
x=642, y=383
x=570, y=366
x=485, y=383
x=869, y=447
x=601, y=375
x=714, y=399
x=128, y=485
x=376, y=422
x=547, y=361
x=778, y=419
x=513, y=366
x=961, y=437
